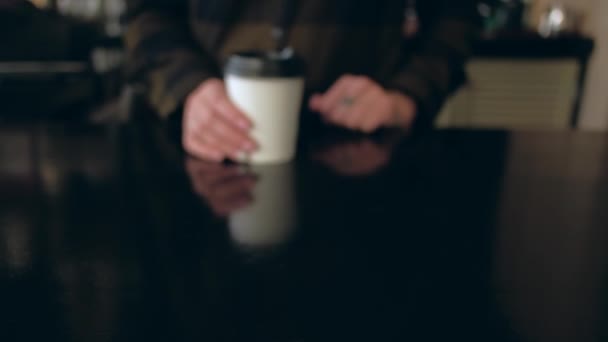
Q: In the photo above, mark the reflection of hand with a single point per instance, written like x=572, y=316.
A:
x=355, y=158
x=224, y=188
x=213, y=128
x=359, y=103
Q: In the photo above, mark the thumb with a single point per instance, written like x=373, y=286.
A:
x=315, y=102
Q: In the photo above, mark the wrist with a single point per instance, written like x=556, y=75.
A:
x=404, y=110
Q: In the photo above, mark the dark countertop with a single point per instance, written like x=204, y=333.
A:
x=108, y=234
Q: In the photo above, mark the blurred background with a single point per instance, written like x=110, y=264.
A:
x=60, y=59
x=538, y=64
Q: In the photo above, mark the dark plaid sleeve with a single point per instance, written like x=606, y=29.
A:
x=162, y=53
x=436, y=67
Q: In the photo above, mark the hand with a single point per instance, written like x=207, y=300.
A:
x=357, y=158
x=225, y=188
x=213, y=128
x=359, y=103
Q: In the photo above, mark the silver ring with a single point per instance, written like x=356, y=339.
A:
x=347, y=101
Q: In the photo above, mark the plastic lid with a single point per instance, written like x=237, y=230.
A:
x=265, y=64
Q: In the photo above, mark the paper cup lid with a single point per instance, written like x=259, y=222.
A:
x=265, y=64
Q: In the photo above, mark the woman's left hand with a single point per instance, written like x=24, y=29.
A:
x=359, y=103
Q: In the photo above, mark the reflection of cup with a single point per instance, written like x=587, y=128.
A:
x=271, y=218
x=268, y=88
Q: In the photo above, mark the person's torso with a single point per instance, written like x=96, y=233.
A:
x=334, y=37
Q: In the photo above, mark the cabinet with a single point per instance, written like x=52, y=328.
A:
x=511, y=94
x=521, y=82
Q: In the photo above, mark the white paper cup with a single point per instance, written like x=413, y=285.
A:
x=269, y=89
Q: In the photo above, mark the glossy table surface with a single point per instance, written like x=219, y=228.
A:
x=110, y=233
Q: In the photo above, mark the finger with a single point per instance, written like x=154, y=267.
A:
x=211, y=140
x=231, y=140
x=315, y=102
x=354, y=116
x=236, y=134
x=371, y=124
x=208, y=127
x=369, y=113
x=363, y=113
x=339, y=114
x=218, y=98
x=207, y=139
x=334, y=95
x=197, y=118
x=375, y=120
x=195, y=146
x=352, y=88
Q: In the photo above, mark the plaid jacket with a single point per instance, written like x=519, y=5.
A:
x=174, y=45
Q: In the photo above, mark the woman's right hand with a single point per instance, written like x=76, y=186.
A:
x=213, y=128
